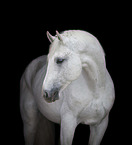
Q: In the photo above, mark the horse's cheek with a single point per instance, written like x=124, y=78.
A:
x=73, y=73
x=76, y=69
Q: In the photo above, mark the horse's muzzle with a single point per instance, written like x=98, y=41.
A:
x=52, y=95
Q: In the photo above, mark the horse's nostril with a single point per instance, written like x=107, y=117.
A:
x=51, y=95
x=55, y=93
x=45, y=94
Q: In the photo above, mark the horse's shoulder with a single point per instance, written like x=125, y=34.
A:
x=32, y=69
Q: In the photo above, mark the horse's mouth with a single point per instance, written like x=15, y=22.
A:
x=52, y=98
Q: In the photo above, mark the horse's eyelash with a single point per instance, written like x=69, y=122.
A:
x=59, y=60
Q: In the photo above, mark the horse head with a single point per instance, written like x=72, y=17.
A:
x=64, y=66
x=68, y=54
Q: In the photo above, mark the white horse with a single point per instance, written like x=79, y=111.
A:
x=69, y=86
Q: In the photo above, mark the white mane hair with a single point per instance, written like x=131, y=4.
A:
x=90, y=51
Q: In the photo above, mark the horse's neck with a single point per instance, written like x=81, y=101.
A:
x=79, y=93
x=87, y=80
x=83, y=87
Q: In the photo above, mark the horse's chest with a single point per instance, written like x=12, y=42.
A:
x=92, y=113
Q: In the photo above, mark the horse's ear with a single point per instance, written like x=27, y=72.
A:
x=50, y=37
x=59, y=36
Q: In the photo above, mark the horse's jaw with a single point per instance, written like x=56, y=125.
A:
x=64, y=87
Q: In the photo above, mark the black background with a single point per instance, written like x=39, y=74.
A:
x=27, y=40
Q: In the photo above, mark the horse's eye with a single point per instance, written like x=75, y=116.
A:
x=59, y=60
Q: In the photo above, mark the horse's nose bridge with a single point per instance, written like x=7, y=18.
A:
x=48, y=81
x=50, y=77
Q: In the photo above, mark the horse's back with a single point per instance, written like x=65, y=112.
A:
x=32, y=69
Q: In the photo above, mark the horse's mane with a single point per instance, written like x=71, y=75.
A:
x=90, y=51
